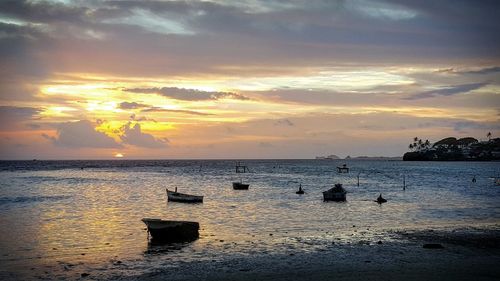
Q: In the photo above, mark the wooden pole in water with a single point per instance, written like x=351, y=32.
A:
x=358, y=179
x=404, y=182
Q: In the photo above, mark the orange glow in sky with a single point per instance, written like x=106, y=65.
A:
x=283, y=81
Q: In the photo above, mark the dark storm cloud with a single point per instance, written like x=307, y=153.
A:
x=448, y=91
x=188, y=94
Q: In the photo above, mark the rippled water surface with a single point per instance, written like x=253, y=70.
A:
x=60, y=218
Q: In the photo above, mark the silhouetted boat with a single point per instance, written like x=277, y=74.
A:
x=172, y=231
x=300, y=191
x=175, y=196
x=343, y=169
x=336, y=193
x=380, y=199
x=240, y=186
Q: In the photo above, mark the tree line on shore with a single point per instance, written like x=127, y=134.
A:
x=453, y=149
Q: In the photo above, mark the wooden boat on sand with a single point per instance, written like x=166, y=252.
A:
x=172, y=231
x=175, y=196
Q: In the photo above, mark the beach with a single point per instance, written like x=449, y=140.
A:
x=467, y=254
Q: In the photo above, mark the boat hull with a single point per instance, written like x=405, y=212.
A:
x=337, y=197
x=172, y=231
x=240, y=186
x=183, y=198
x=336, y=193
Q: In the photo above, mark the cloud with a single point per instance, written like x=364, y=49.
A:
x=226, y=36
x=141, y=118
x=487, y=70
x=131, y=105
x=284, y=122
x=265, y=144
x=188, y=94
x=448, y=91
x=81, y=134
x=159, y=109
x=147, y=108
x=43, y=11
x=461, y=125
x=133, y=135
x=12, y=116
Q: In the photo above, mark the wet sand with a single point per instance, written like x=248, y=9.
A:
x=467, y=254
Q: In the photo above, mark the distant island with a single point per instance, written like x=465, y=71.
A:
x=453, y=149
x=333, y=157
x=348, y=157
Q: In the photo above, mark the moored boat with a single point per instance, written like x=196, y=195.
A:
x=182, y=197
x=240, y=186
x=343, y=169
x=336, y=193
x=172, y=231
x=380, y=199
x=300, y=191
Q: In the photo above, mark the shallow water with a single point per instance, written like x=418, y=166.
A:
x=58, y=220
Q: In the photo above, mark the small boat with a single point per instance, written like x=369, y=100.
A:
x=342, y=169
x=380, y=199
x=172, y=231
x=336, y=193
x=175, y=196
x=300, y=191
x=240, y=186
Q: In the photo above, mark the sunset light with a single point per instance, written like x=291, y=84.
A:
x=249, y=140
x=172, y=83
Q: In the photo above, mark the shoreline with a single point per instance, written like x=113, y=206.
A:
x=467, y=254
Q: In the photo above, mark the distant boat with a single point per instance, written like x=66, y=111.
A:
x=175, y=196
x=380, y=199
x=172, y=231
x=336, y=193
x=343, y=169
x=300, y=191
x=240, y=186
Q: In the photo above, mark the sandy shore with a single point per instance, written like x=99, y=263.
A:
x=466, y=254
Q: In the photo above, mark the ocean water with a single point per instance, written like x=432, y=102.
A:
x=62, y=218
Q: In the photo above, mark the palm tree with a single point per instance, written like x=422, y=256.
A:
x=488, y=135
x=420, y=144
x=410, y=146
x=427, y=144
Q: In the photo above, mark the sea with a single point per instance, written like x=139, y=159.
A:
x=59, y=219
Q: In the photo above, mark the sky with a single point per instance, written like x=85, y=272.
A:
x=104, y=79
